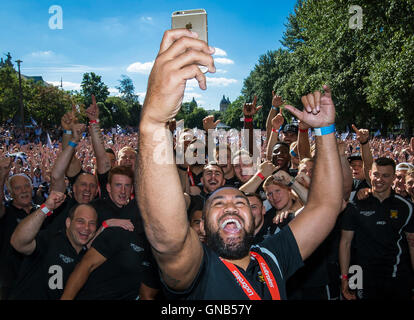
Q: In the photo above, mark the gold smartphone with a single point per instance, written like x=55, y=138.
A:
x=194, y=20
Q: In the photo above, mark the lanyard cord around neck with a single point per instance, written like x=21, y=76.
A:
x=246, y=286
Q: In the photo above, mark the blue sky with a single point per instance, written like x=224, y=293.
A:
x=112, y=38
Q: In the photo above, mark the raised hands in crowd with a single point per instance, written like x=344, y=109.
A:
x=305, y=197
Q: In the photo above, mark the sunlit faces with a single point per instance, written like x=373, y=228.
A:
x=82, y=227
x=195, y=224
x=224, y=161
x=243, y=167
x=399, y=182
x=119, y=189
x=289, y=137
x=306, y=167
x=229, y=224
x=127, y=158
x=85, y=188
x=279, y=196
x=409, y=185
x=21, y=191
x=357, y=169
x=281, y=156
x=212, y=179
x=382, y=178
x=258, y=212
x=112, y=158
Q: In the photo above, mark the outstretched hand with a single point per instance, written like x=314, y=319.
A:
x=318, y=111
x=209, y=123
x=93, y=111
x=278, y=120
x=277, y=101
x=178, y=59
x=362, y=135
x=54, y=200
x=250, y=109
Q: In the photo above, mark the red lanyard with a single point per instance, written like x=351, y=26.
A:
x=190, y=176
x=247, y=288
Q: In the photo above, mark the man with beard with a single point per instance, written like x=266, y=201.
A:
x=212, y=179
x=190, y=269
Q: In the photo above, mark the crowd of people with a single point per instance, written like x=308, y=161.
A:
x=131, y=215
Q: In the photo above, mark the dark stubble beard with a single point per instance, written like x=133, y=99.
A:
x=231, y=251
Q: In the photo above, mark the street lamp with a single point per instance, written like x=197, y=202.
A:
x=21, y=96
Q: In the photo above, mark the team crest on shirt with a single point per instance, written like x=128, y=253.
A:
x=393, y=214
x=66, y=259
x=136, y=248
x=260, y=277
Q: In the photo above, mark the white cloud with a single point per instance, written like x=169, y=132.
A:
x=70, y=68
x=220, y=82
x=42, y=54
x=220, y=52
x=138, y=67
x=67, y=85
x=223, y=61
x=189, y=96
x=221, y=71
x=146, y=19
x=114, y=92
x=213, y=82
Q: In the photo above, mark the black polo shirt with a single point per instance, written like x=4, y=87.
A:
x=38, y=276
x=10, y=259
x=129, y=262
x=215, y=282
x=379, y=240
x=268, y=228
x=58, y=218
x=107, y=209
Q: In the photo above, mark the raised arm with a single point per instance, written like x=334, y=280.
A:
x=176, y=246
x=346, y=170
x=23, y=237
x=5, y=165
x=65, y=157
x=277, y=122
x=249, y=110
x=102, y=161
x=304, y=148
x=276, y=103
x=291, y=182
x=367, y=159
x=265, y=170
x=318, y=217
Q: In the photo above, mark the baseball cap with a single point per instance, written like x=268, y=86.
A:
x=290, y=127
x=404, y=166
x=355, y=156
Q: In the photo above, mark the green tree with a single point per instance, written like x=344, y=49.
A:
x=105, y=116
x=119, y=111
x=234, y=112
x=127, y=89
x=195, y=118
x=93, y=84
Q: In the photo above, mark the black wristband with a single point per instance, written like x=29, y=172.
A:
x=364, y=142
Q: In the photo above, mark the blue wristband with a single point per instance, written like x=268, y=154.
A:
x=72, y=144
x=67, y=132
x=324, y=130
x=275, y=108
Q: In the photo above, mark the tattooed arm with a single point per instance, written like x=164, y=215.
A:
x=102, y=161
